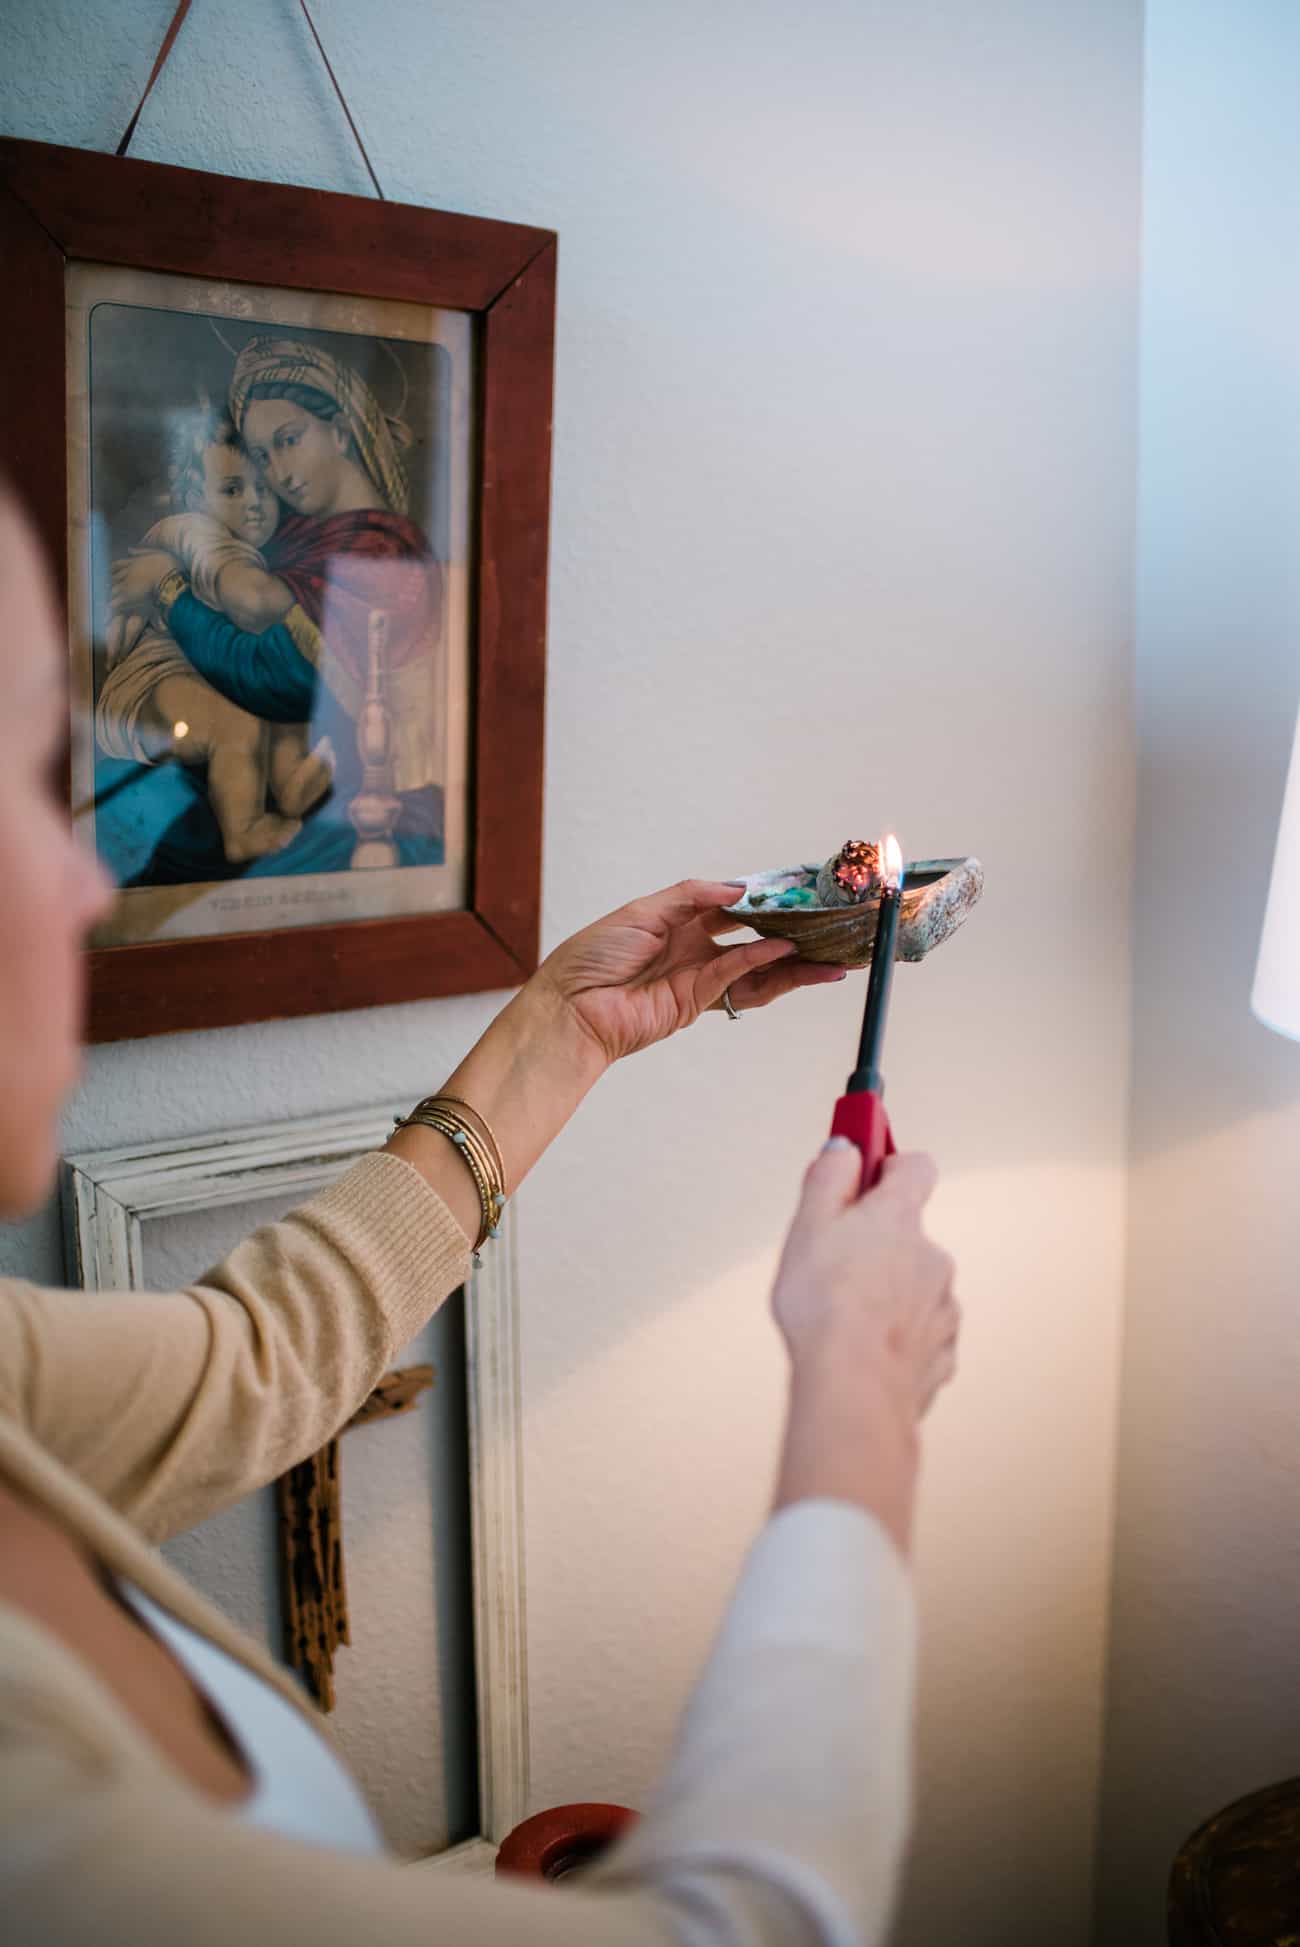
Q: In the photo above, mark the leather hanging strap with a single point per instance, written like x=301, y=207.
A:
x=169, y=41
x=342, y=104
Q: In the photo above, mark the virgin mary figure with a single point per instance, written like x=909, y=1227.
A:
x=288, y=641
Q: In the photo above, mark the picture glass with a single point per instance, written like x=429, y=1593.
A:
x=271, y=553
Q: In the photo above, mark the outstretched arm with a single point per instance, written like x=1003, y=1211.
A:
x=638, y=975
x=264, y=673
x=806, y=1702
x=229, y=574
x=173, y=1405
x=252, y=597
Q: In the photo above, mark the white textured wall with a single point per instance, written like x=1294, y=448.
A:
x=1205, y=1685
x=842, y=534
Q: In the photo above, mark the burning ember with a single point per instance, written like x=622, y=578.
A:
x=853, y=876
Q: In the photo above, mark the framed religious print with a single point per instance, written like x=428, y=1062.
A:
x=289, y=453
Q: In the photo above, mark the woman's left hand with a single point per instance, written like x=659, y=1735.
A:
x=633, y=977
x=136, y=578
x=654, y=966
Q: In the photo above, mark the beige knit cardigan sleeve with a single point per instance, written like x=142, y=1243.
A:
x=174, y=1404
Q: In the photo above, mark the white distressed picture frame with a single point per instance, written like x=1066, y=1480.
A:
x=108, y=1194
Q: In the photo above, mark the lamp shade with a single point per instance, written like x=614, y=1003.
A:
x=1275, y=997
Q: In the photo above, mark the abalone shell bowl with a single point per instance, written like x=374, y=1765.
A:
x=937, y=896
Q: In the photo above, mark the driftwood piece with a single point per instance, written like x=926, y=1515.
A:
x=396, y=1392
x=308, y=1498
x=311, y=1562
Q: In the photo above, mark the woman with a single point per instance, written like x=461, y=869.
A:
x=160, y=1780
x=288, y=643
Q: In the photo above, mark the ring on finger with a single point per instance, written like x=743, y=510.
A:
x=733, y=1012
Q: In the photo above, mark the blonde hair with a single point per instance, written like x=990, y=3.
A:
x=189, y=436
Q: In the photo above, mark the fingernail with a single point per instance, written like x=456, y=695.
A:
x=837, y=1142
x=734, y=882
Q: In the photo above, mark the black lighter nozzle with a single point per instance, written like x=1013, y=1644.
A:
x=867, y=1073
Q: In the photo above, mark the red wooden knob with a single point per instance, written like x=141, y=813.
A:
x=563, y=1840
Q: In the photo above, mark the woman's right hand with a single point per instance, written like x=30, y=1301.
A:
x=861, y=1284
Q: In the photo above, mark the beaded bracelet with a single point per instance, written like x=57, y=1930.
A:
x=472, y=1137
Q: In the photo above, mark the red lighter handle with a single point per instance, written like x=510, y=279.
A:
x=861, y=1117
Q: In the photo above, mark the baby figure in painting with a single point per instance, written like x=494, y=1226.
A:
x=153, y=704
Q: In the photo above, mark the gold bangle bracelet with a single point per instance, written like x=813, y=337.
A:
x=455, y=1102
x=473, y=1155
x=470, y=1134
x=491, y=1203
x=467, y=1138
x=468, y=1143
x=462, y=1112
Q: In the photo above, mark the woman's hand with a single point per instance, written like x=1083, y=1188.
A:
x=620, y=984
x=654, y=966
x=865, y=1302
x=860, y=1280
x=135, y=580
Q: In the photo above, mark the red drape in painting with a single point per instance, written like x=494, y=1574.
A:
x=343, y=567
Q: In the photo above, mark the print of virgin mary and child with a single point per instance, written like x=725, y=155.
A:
x=238, y=646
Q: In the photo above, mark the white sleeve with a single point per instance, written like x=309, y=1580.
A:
x=784, y=1812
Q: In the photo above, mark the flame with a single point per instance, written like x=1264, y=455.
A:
x=891, y=862
x=180, y=729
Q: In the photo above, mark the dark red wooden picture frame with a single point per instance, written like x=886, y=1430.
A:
x=58, y=204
